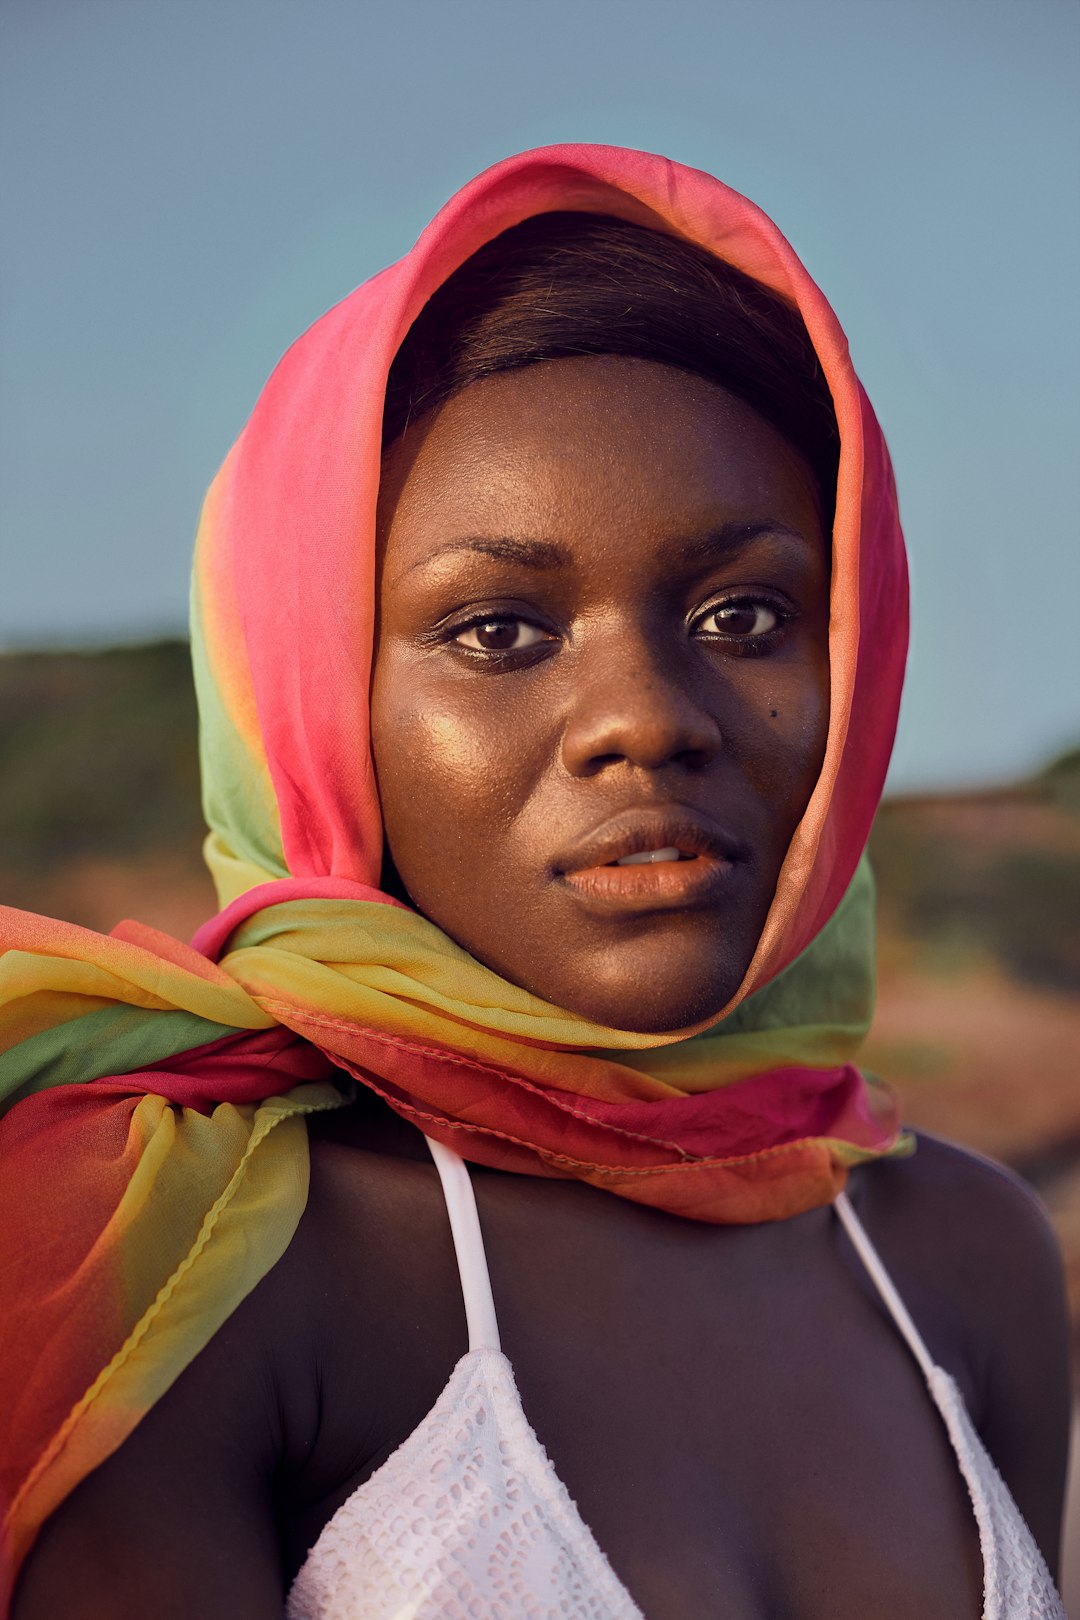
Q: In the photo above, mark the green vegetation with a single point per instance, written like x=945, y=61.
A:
x=97, y=754
x=1061, y=780
x=994, y=874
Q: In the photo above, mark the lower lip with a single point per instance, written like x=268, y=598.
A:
x=653, y=885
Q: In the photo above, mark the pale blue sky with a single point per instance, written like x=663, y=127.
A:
x=186, y=184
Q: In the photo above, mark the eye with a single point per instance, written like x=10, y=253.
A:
x=741, y=620
x=501, y=635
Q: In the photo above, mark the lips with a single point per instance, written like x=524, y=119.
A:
x=678, y=857
x=646, y=828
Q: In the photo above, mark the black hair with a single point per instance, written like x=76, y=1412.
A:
x=564, y=284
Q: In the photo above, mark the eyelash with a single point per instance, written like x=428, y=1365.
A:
x=756, y=645
x=747, y=646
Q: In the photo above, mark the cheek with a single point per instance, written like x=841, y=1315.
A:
x=801, y=718
x=785, y=725
x=449, y=779
x=426, y=748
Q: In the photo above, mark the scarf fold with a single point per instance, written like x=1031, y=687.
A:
x=154, y=1148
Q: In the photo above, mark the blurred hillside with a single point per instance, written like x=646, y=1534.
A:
x=978, y=1021
x=978, y=1015
x=99, y=787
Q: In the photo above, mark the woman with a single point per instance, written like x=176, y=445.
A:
x=565, y=555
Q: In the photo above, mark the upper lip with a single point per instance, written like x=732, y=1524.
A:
x=639, y=828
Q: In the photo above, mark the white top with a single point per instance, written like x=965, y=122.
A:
x=467, y=1518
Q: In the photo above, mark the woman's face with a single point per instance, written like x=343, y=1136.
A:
x=602, y=634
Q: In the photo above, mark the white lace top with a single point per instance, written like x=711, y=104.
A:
x=467, y=1520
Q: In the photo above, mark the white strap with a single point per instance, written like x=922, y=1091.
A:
x=476, y=1282
x=468, y=1246
x=883, y=1283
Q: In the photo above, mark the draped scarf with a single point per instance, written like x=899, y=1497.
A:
x=154, y=1148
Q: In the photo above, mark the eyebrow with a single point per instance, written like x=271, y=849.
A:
x=542, y=555
x=736, y=536
x=538, y=554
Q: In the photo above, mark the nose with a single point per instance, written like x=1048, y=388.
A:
x=630, y=706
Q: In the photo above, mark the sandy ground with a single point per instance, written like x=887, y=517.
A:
x=173, y=893
x=980, y=1058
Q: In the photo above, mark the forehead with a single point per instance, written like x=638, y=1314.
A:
x=582, y=446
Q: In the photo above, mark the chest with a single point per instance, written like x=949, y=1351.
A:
x=736, y=1420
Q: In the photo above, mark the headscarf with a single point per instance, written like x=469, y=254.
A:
x=155, y=1162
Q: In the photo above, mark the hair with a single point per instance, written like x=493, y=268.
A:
x=564, y=284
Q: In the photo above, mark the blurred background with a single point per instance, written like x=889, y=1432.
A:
x=185, y=186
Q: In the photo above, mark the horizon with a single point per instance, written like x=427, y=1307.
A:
x=893, y=794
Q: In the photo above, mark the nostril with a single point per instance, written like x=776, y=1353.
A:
x=642, y=725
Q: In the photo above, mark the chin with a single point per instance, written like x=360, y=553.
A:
x=652, y=1021
x=654, y=1006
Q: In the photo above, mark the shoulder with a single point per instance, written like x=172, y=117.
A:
x=973, y=1252
x=968, y=1220
x=276, y=1410
x=204, y=1456
x=967, y=1225
x=375, y=1244
x=372, y=1175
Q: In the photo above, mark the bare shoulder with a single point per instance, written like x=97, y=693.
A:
x=969, y=1221
x=202, y=1458
x=973, y=1252
x=371, y=1174
x=970, y=1227
x=235, y=1440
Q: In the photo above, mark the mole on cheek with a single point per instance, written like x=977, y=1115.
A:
x=773, y=713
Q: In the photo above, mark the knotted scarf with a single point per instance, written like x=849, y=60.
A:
x=154, y=1153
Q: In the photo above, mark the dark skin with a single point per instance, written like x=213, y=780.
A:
x=734, y=1415
x=531, y=503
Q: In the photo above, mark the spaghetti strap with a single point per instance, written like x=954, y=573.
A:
x=883, y=1283
x=468, y=1246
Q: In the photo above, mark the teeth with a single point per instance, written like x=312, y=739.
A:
x=647, y=856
